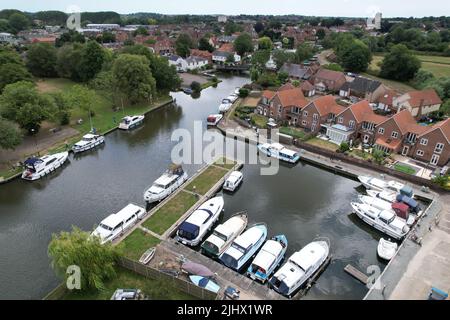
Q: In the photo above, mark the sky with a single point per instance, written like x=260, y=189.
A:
x=343, y=8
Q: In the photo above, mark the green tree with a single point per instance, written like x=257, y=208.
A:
x=344, y=146
x=334, y=67
x=400, y=64
x=92, y=59
x=68, y=60
x=378, y=156
x=62, y=106
x=445, y=108
x=283, y=77
x=96, y=261
x=83, y=98
x=196, y=87
x=303, y=52
x=11, y=73
x=41, y=60
x=281, y=57
x=321, y=34
x=265, y=43
x=183, y=45
x=133, y=78
x=204, y=44
x=268, y=80
x=243, y=44
x=18, y=22
x=10, y=135
x=355, y=57
x=21, y=102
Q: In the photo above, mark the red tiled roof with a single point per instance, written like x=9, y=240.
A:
x=307, y=86
x=327, y=104
x=388, y=97
x=268, y=94
x=292, y=97
x=287, y=86
x=393, y=144
x=329, y=74
x=423, y=98
x=406, y=123
x=363, y=112
x=227, y=47
x=444, y=126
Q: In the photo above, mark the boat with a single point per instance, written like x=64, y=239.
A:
x=278, y=151
x=147, y=256
x=300, y=267
x=214, y=119
x=130, y=122
x=225, y=105
x=224, y=234
x=244, y=247
x=36, y=168
x=268, y=258
x=116, y=224
x=389, y=196
x=380, y=204
x=233, y=97
x=385, y=221
x=188, y=91
x=197, y=269
x=127, y=294
x=195, y=227
x=386, y=249
x=165, y=185
x=392, y=197
x=376, y=184
x=233, y=181
x=205, y=283
x=89, y=141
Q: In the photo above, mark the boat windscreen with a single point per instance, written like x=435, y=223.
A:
x=104, y=226
x=229, y=261
x=210, y=214
x=239, y=248
x=210, y=247
x=220, y=236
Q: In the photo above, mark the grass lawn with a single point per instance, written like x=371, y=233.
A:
x=4, y=174
x=206, y=180
x=125, y=279
x=137, y=243
x=296, y=133
x=323, y=144
x=404, y=168
x=225, y=163
x=396, y=85
x=167, y=215
x=360, y=154
x=260, y=121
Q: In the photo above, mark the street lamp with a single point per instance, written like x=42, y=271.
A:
x=35, y=140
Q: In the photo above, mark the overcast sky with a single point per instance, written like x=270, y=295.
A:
x=345, y=8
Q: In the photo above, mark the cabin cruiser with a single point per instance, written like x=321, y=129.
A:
x=237, y=91
x=233, y=181
x=88, y=142
x=116, y=224
x=225, y=105
x=244, y=247
x=392, y=197
x=386, y=195
x=165, y=185
x=224, y=234
x=384, y=205
x=376, y=184
x=268, y=259
x=214, y=119
x=278, y=151
x=195, y=227
x=300, y=267
x=386, y=249
x=384, y=220
x=36, y=168
x=130, y=122
x=233, y=97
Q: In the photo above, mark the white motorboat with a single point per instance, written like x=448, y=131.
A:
x=214, y=119
x=380, y=185
x=224, y=235
x=386, y=195
x=386, y=249
x=130, y=122
x=383, y=220
x=384, y=205
x=244, y=247
x=393, y=197
x=268, y=259
x=165, y=185
x=36, y=168
x=225, y=105
x=195, y=227
x=88, y=142
x=278, y=151
x=237, y=91
x=147, y=256
x=116, y=224
x=233, y=181
x=233, y=97
x=301, y=266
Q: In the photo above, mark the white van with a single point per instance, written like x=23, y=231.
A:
x=114, y=225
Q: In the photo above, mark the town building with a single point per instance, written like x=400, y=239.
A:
x=418, y=103
x=328, y=80
x=297, y=71
x=363, y=88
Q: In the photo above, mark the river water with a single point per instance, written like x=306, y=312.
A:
x=302, y=202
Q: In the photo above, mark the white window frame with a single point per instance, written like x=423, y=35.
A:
x=305, y=113
x=420, y=153
x=381, y=130
x=351, y=124
x=341, y=120
x=394, y=136
x=439, y=150
x=304, y=123
x=315, y=117
x=423, y=141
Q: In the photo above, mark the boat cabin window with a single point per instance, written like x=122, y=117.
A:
x=88, y=139
x=298, y=266
x=211, y=247
x=119, y=226
x=220, y=236
x=256, y=268
x=131, y=218
x=239, y=248
x=50, y=161
x=104, y=226
x=387, y=221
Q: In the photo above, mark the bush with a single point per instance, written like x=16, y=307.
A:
x=243, y=93
x=64, y=117
x=378, y=156
x=344, y=147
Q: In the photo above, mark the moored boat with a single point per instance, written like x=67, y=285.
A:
x=244, y=247
x=268, y=258
x=195, y=227
x=224, y=234
x=214, y=119
x=147, y=256
x=89, y=141
x=36, y=168
x=165, y=185
x=205, y=283
x=386, y=249
x=399, y=209
x=131, y=122
x=225, y=105
x=380, y=185
x=233, y=181
x=300, y=267
x=280, y=152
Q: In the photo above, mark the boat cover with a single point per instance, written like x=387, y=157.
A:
x=32, y=161
x=401, y=210
x=407, y=191
x=197, y=269
x=413, y=204
x=188, y=230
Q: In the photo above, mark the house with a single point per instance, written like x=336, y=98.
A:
x=202, y=53
x=283, y=105
x=308, y=89
x=163, y=47
x=296, y=71
x=355, y=122
x=385, y=102
x=419, y=103
x=221, y=57
x=328, y=80
x=194, y=62
x=271, y=64
x=6, y=37
x=178, y=62
x=320, y=111
x=363, y=88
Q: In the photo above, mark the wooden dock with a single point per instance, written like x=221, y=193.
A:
x=355, y=273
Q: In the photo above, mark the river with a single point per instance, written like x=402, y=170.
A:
x=302, y=202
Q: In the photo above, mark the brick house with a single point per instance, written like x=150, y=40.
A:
x=308, y=89
x=320, y=111
x=328, y=80
x=385, y=102
x=202, y=53
x=363, y=88
x=355, y=122
x=418, y=103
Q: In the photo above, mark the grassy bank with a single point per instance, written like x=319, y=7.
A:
x=296, y=133
x=206, y=180
x=125, y=279
x=137, y=243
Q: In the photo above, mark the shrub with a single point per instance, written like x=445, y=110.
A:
x=195, y=86
x=243, y=93
x=344, y=147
